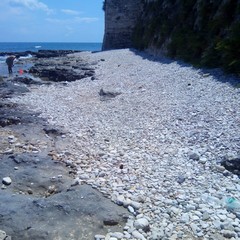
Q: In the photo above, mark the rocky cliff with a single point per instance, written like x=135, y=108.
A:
x=205, y=33
x=120, y=20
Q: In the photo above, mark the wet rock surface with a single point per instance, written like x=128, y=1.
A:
x=61, y=69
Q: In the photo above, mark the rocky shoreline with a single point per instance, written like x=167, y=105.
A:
x=40, y=197
x=40, y=53
x=153, y=135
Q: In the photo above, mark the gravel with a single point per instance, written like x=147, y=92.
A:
x=155, y=147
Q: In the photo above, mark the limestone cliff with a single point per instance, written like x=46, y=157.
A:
x=203, y=32
x=120, y=20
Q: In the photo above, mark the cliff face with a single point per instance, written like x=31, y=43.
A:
x=202, y=32
x=120, y=20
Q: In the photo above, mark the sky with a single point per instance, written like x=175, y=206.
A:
x=51, y=21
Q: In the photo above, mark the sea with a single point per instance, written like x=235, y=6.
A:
x=35, y=46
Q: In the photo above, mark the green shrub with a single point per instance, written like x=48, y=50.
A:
x=206, y=33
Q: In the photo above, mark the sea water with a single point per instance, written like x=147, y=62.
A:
x=35, y=46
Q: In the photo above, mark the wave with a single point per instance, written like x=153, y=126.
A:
x=38, y=46
x=26, y=57
x=3, y=58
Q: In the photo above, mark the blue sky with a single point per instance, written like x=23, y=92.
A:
x=51, y=21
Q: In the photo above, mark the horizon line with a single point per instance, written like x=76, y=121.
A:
x=47, y=42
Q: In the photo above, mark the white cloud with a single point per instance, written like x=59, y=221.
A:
x=70, y=12
x=74, y=20
x=86, y=19
x=69, y=31
x=55, y=20
x=32, y=5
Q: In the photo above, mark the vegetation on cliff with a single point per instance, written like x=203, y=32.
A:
x=205, y=33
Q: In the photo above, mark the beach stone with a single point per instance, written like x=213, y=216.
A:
x=126, y=202
x=237, y=229
x=203, y=160
x=205, y=216
x=138, y=235
x=142, y=223
x=204, y=225
x=105, y=95
x=117, y=235
x=175, y=210
x=228, y=226
x=2, y=235
x=217, y=224
x=120, y=200
x=220, y=168
x=8, y=151
x=7, y=181
x=190, y=207
x=181, y=179
x=99, y=237
x=194, y=228
x=157, y=234
x=228, y=234
x=110, y=222
x=185, y=218
x=84, y=176
x=194, y=156
x=222, y=217
x=135, y=205
x=127, y=235
x=131, y=209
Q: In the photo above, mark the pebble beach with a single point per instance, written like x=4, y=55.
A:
x=154, y=144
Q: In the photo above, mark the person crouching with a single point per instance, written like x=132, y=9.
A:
x=10, y=61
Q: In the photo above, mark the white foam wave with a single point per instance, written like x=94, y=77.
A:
x=38, y=46
x=3, y=59
x=26, y=57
